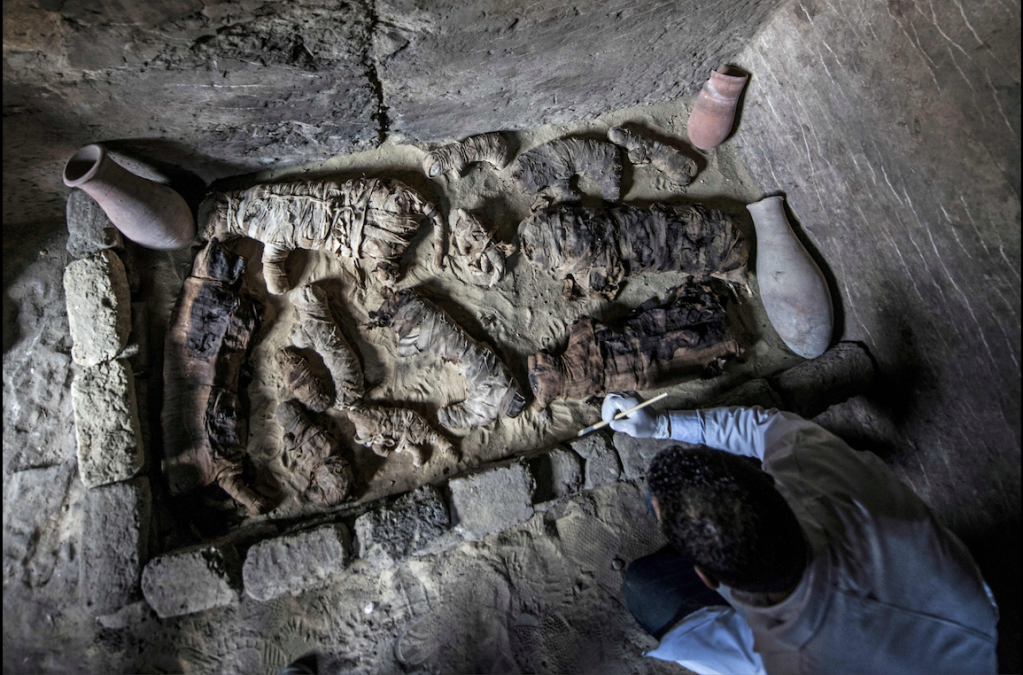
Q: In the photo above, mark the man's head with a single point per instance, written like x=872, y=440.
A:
x=725, y=515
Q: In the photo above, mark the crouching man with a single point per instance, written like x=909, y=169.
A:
x=817, y=561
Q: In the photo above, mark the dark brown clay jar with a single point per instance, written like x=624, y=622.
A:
x=150, y=214
x=714, y=113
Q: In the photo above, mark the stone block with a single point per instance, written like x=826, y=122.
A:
x=558, y=473
x=115, y=543
x=601, y=461
x=840, y=373
x=492, y=500
x=751, y=393
x=390, y=534
x=636, y=453
x=98, y=307
x=107, y=423
x=89, y=229
x=192, y=580
x=295, y=563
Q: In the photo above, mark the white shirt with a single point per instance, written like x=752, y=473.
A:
x=887, y=589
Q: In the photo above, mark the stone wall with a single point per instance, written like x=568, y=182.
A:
x=202, y=90
x=894, y=131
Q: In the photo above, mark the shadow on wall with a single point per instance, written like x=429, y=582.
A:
x=11, y=331
x=997, y=552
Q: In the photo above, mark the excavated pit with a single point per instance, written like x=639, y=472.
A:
x=893, y=133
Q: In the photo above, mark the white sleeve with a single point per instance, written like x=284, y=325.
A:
x=749, y=432
x=711, y=641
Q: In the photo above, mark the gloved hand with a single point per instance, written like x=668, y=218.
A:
x=645, y=423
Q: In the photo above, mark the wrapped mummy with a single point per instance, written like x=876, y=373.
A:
x=205, y=428
x=486, y=257
x=676, y=167
x=369, y=219
x=595, y=248
x=312, y=455
x=492, y=148
x=659, y=345
x=552, y=166
x=301, y=380
x=317, y=330
x=421, y=327
x=387, y=430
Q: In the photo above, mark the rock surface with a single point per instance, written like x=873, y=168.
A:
x=451, y=69
x=295, y=563
x=89, y=229
x=390, y=534
x=107, y=423
x=192, y=580
x=39, y=430
x=832, y=122
x=191, y=91
x=492, y=500
x=115, y=543
x=602, y=465
x=98, y=307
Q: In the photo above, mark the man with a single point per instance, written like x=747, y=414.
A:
x=827, y=561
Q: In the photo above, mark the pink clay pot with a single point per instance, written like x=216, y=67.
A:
x=150, y=214
x=793, y=289
x=714, y=113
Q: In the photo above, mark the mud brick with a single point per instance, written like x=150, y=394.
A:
x=295, y=563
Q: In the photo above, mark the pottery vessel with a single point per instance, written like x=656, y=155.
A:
x=150, y=214
x=714, y=113
x=792, y=287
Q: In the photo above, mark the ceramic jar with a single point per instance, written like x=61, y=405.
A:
x=714, y=113
x=150, y=214
x=793, y=289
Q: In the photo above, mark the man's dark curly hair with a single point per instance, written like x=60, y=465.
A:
x=725, y=515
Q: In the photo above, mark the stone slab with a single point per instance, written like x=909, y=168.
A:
x=636, y=453
x=493, y=500
x=89, y=229
x=107, y=423
x=115, y=543
x=558, y=473
x=98, y=307
x=295, y=563
x=392, y=533
x=602, y=465
x=192, y=580
x=840, y=373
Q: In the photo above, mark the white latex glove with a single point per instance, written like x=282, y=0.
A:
x=645, y=423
